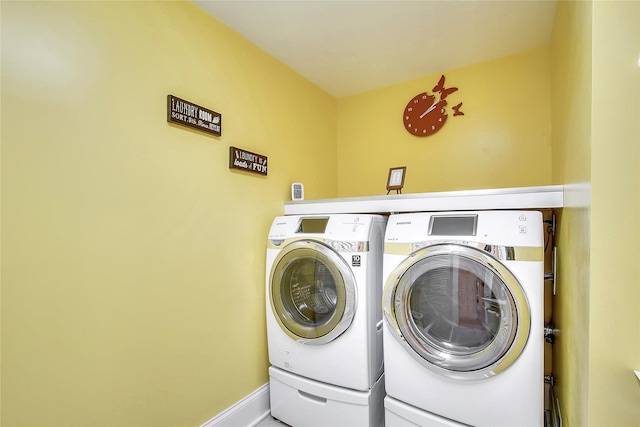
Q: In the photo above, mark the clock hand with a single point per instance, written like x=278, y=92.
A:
x=429, y=110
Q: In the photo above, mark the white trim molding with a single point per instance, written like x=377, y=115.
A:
x=246, y=412
x=544, y=197
x=577, y=195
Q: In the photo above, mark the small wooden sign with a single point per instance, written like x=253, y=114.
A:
x=187, y=113
x=247, y=161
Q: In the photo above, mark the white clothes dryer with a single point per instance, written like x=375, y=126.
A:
x=324, y=314
x=463, y=315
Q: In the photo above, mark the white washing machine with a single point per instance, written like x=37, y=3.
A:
x=324, y=318
x=463, y=315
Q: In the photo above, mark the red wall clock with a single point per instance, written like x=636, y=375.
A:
x=425, y=113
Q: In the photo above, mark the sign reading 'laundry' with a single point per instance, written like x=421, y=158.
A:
x=247, y=161
x=187, y=113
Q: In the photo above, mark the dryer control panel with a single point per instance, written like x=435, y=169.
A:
x=515, y=228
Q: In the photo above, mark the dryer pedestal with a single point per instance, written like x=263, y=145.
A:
x=301, y=402
x=398, y=414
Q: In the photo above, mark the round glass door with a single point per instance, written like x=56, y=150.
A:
x=312, y=292
x=458, y=311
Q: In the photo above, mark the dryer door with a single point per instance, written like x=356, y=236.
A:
x=312, y=291
x=458, y=311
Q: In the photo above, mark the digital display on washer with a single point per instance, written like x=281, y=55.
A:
x=313, y=225
x=453, y=225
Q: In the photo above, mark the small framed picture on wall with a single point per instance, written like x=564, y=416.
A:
x=395, y=181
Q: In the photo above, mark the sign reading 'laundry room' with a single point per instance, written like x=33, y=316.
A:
x=247, y=161
x=187, y=113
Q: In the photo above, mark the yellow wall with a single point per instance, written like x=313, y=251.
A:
x=614, y=321
x=595, y=108
x=503, y=140
x=571, y=134
x=132, y=256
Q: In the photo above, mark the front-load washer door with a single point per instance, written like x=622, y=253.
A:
x=457, y=310
x=312, y=291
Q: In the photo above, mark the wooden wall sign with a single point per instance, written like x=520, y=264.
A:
x=247, y=161
x=188, y=114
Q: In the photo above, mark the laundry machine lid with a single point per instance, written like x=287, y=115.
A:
x=312, y=292
x=457, y=310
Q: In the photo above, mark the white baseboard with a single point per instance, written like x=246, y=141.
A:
x=245, y=413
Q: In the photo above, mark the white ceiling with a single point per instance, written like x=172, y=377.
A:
x=348, y=47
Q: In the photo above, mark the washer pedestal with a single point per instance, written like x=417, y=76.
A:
x=301, y=402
